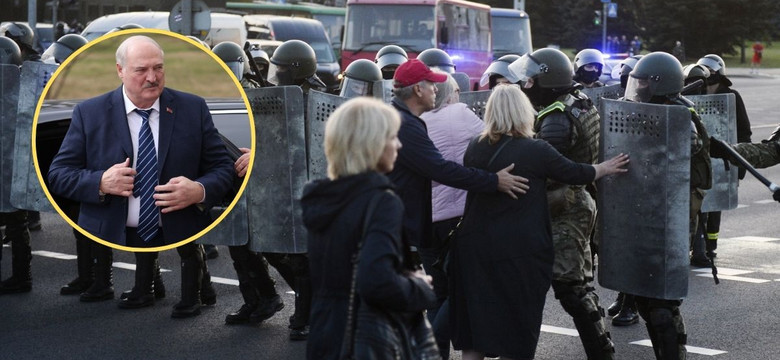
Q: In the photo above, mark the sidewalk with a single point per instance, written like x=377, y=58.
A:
x=745, y=72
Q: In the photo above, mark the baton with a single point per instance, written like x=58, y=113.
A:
x=745, y=164
x=688, y=89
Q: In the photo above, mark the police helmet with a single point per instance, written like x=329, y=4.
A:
x=589, y=56
x=199, y=41
x=261, y=59
x=62, y=48
x=693, y=72
x=624, y=68
x=498, y=68
x=359, y=78
x=292, y=62
x=550, y=68
x=656, y=74
x=127, y=26
x=19, y=32
x=233, y=56
x=437, y=59
x=714, y=62
x=388, y=58
x=9, y=52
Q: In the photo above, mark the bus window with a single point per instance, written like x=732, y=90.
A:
x=466, y=29
x=371, y=27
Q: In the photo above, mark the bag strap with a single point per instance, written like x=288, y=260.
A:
x=347, y=346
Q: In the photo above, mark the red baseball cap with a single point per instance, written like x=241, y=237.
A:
x=414, y=71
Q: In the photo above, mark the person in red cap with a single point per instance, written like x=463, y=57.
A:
x=419, y=161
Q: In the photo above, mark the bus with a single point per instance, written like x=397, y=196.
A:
x=332, y=18
x=460, y=28
x=511, y=32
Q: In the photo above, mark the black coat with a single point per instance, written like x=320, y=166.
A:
x=502, y=257
x=333, y=212
x=419, y=162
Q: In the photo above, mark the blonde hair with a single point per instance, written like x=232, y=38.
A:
x=508, y=111
x=356, y=135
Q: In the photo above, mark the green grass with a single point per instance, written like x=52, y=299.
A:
x=187, y=68
x=771, y=58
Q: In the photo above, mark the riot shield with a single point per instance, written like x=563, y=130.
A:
x=718, y=114
x=320, y=106
x=233, y=230
x=279, y=171
x=605, y=92
x=644, y=213
x=476, y=101
x=26, y=190
x=383, y=90
x=9, y=98
x=463, y=81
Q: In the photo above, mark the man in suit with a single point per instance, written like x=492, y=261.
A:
x=100, y=165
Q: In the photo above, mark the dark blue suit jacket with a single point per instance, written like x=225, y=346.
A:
x=99, y=137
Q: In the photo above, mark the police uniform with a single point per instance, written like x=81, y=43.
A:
x=571, y=125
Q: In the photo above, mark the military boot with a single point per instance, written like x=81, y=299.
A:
x=299, y=321
x=191, y=281
x=614, y=308
x=627, y=315
x=142, y=294
x=18, y=234
x=250, y=295
x=102, y=287
x=84, y=265
x=668, y=334
x=269, y=302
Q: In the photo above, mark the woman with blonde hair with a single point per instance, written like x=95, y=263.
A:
x=357, y=205
x=502, y=257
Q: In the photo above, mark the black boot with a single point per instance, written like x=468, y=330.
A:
x=299, y=321
x=627, y=315
x=18, y=234
x=33, y=220
x=250, y=295
x=270, y=302
x=142, y=294
x=84, y=264
x=614, y=308
x=191, y=277
x=208, y=296
x=157, y=284
x=102, y=287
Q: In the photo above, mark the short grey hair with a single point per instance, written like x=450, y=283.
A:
x=121, y=51
x=406, y=92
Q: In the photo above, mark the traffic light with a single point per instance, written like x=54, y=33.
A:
x=597, y=17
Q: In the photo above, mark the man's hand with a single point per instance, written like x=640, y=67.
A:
x=421, y=274
x=776, y=195
x=177, y=194
x=511, y=184
x=242, y=164
x=118, y=179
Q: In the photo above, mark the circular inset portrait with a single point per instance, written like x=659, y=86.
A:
x=137, y=140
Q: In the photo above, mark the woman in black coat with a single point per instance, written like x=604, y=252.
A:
x=361, y=145
x=502, y=257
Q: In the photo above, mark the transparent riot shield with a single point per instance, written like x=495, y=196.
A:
x=476, y=101
x=463, y=81
x=604, y=92
x=26, y=190
x=320, y=106
x=718, y=114
x=644, y=213
x=9, y=98
x=383, y=90
x=279, y=171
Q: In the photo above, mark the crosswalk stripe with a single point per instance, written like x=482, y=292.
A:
x=724, y=271
x=754, y=238
x=560, y=330
x=691, y=349
x=226, y=281
x=53, y=255
x=737, y=278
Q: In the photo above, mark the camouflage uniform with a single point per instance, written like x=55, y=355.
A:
x=760, y=155
x=573, y=217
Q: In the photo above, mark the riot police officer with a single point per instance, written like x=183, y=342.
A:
x=359, y=78
x=63, y=48
x=261, y=300
x=658, y=79
x=294, y=63
x=498, y=71
x=621, y=72
x=24, y=36
x=437, y=59
x=16, y=231
x=388, y=58
x=693, y=73
x=718, y=83
x=568, y=120
x=588, y=64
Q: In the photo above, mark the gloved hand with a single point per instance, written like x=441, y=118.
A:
x=718, y=149
x=776, y=195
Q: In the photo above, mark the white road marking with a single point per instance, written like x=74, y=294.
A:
x=764, y=201
x=754, y=238
x=560, y=330
x=742, y=206
x=691, y=349
x=54, y=255
x=226, y=281
x=737, y=278
x=724, y=271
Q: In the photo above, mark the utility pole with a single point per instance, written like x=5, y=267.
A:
x=604, y=4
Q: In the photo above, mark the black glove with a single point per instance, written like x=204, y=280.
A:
x=776, y=195
x=718, y=149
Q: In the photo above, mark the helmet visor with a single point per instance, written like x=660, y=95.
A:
x=640, y=89
x=524, y=68
x=237, y=68
x=56, y=54
x=496, y=68
x=353, y=88
x=279, y=75
x=710, y=63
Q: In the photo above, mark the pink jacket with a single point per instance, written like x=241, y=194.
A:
x=451, y=128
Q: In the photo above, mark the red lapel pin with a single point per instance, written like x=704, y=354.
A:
x=169, y=110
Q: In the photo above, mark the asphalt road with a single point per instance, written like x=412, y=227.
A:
x=733, y=320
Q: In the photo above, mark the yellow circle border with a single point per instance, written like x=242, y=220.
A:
x=214, y=223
